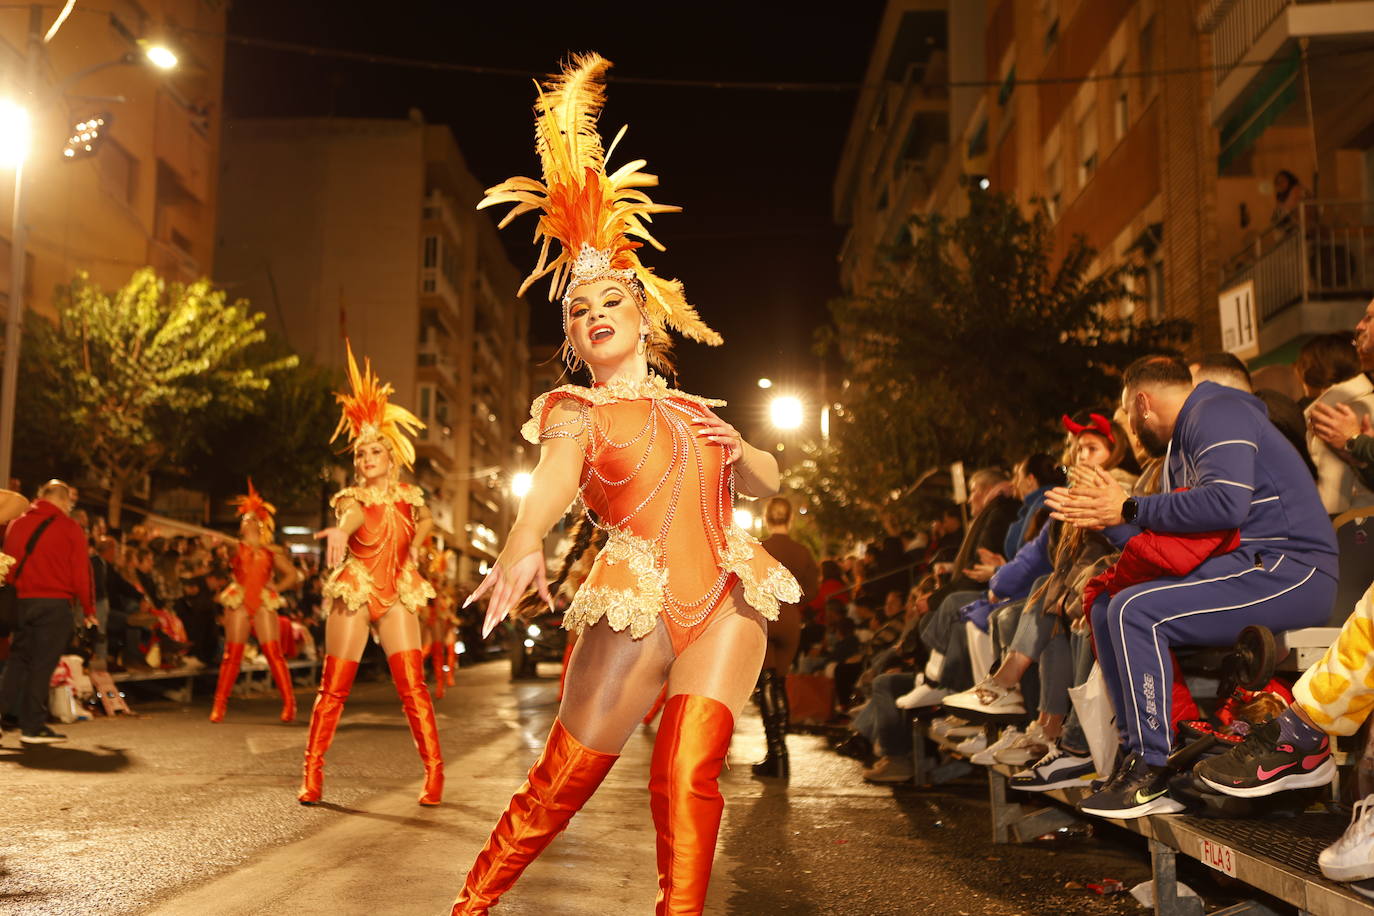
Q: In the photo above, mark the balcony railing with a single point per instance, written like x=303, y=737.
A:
x=1235, y=24
x=431, y=355
x=1324, y=250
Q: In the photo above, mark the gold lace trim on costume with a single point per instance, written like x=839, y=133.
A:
x=233, y=595
x=369, y=496
x=653, y=387
x=355, y=590
x=639, y=609
x=6, y=564
x=413, y=590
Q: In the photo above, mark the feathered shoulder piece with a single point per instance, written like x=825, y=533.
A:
x=369, y=415
x=252, y=505
x=597, y=218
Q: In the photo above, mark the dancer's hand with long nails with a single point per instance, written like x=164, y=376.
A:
x=712, y=427
x=336, y=545
x=508, y=584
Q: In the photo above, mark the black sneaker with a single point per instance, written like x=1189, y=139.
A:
x=1119, y=767
x=1142, y=789
x=44, y=735
x=1262, y=765
x=1056, y=770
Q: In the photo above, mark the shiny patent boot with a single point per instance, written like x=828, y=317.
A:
x=228, y=674
x=684, y=796
x=436, y=662
x=276, y=663
x=336, y=680
x=408, y=671
x=559, y=784
x=772, y=700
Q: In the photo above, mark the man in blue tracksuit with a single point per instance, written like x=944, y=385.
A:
x=1239, y=472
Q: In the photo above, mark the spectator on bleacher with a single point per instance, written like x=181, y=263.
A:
x=832, y=585
x=1226, y=369
x=1334, y=697
x=1035, y=476
x=197, y=609
x=100, y=645
x=47, y=579
x=1237, y=471
x=945, y=535
x=1330, y=369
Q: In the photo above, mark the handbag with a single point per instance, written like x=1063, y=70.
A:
x=9, y=593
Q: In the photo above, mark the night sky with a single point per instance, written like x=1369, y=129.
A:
x=756, y=244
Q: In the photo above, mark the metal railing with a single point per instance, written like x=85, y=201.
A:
x=1235, y=30
x=1321, y=250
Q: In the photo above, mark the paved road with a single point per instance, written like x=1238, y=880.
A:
x=167, y=814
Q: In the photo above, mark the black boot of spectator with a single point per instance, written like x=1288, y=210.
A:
x=772, y=695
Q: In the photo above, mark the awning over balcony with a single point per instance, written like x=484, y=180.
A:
x=1272, y=93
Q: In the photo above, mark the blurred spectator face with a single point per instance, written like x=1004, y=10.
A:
x=917, y=603
x=1364, y=335
x=107, y=549
x=1092, y=449
x=1021, y=482
x=892, y=605
x=81, y=518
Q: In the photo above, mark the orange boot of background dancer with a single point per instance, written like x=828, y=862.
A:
x=408, y=671
x=336, y=680
x=228, y=674
x=282, y=676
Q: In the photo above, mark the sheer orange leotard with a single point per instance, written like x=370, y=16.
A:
x=379, y=572
x=252, y=569
x=665, y=497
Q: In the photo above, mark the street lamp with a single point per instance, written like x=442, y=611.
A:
x=786, y=412
x=520, y=484
x=745, y=519
x=15, y=134
x=765, y=383
x=160, y=56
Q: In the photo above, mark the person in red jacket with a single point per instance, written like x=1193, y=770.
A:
x=48, y=578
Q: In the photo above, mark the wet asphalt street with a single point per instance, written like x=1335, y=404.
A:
x=168, y=814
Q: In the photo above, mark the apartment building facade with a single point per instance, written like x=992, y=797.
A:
x=365, y=229
x=1157, y=131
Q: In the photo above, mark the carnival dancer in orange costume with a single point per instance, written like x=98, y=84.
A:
x=250, y=603
x=374, y=582
x=679, y=595
x=437, y=619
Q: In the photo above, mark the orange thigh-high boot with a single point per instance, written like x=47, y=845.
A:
x=436, y=661
x=408, y=671
x=561, y=781
x=335, y=682
x=228, y=674
x=451, y=653
x=693, y=738
x=282, y=675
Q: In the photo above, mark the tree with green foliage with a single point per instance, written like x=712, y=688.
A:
x=969, y=346
x=126, y=379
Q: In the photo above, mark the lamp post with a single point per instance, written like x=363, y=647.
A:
x=158, y=56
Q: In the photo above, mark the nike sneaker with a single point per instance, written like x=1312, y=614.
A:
x=1142, y=790
x=1262, y=764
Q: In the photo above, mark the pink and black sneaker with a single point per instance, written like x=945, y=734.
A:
x=1263, y=764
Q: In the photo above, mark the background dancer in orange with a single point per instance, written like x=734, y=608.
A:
x=437, y=620
x=250, y=602
x=374, y=582
x=680, y=595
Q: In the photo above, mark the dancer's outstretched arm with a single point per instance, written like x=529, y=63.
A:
x=336, y=538
x=755, y=469
x=553, y=486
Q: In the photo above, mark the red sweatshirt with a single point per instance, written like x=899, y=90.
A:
x=60, y=566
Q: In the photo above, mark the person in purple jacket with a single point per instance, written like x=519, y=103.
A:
x=1239, y=472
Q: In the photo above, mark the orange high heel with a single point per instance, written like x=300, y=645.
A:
x=276, y=663
x=408, y=671
x=684, y=796
x=228, y=674
x=335, y=682
x=561, y=781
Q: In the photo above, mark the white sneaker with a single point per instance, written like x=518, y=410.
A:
x=1351, y=858
x=1058, y=769
x=986, y=758
x=922, y=694
x=938, y=727
x=1029, y=748
x=972, y=745
x=988, y=698
x=891, y=770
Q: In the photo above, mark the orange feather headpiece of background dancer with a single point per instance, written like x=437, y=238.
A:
x=368, y=414
x=597, y=219
x=252, y=505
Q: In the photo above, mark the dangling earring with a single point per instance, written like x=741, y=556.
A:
x=639, y=347
x=571, y=359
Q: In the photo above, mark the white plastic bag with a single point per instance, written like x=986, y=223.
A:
x=1097, y=719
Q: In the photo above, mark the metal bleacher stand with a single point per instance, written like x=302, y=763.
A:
x=251, y=671
x=1276, y=856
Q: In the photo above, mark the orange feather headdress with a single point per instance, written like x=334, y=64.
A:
x=368, y=414
x=252, y=505
x=597, y=219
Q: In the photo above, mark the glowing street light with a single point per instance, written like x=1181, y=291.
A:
x=520, y=484
x=744, y=518
x=786, y=412
x=765, y=383
x=160, y=56
x=15, y=131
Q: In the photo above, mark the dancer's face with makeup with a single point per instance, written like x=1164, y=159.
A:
x=603, y=325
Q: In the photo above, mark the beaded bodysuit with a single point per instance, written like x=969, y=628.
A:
x=252, y=568
x=666, y=498
x=378, y=571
